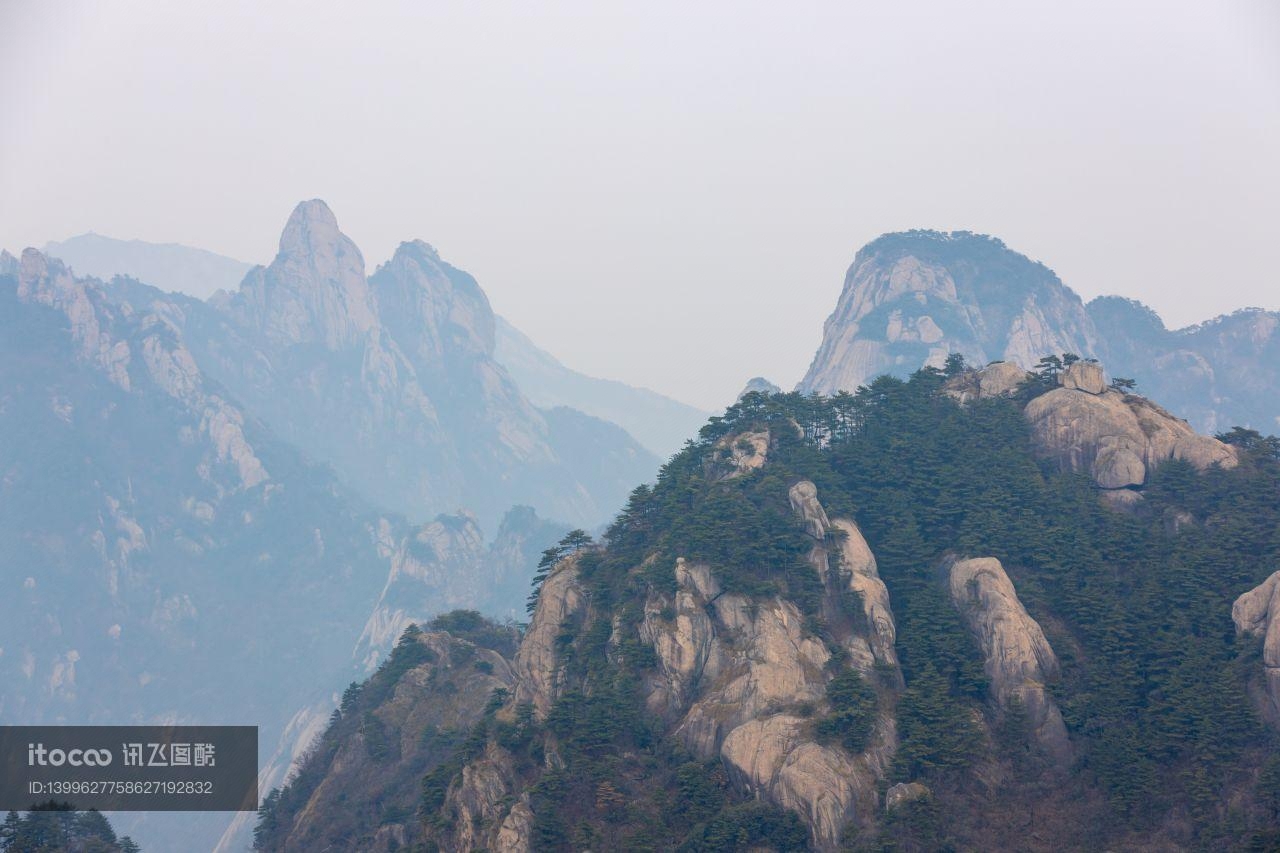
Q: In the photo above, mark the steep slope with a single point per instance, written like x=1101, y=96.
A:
x=392, y=381
x=169, y=558
x=169, y=266
x=659, y=423
x=1218, y=374
x=910, y=299
x=889, y=620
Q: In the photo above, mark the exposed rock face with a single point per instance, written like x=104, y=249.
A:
x=1217, y=374
x=480, y=800
x=904, y=792
x=315, y=289
x=743, y=453
x=1257, y=612
x=732, y=670
x=998, y=379
x=537, y=665
x=1017, y=658
x=1116, y=438
x=171, y=528
x=363, y=777
x=911, y=299
x=392, y=380
x=1086, y=376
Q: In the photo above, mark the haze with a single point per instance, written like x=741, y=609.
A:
x=670, y=194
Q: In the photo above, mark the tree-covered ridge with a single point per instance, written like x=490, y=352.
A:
x=1154, y=686
x=57, y=828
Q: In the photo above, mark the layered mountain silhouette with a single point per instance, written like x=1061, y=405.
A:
x=912, y=298
x=979, y=609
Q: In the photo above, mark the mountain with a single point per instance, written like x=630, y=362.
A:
x=1216, y=374
x=170, y=559
x=659, y=423
x=977, y=609
x=168, y=266
x=912, y=298
x=391, y=380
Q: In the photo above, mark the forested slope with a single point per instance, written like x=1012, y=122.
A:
x=883, y=621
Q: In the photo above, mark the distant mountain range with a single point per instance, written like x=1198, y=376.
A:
x=912, y=298
x=168, y=266
x=659, y=423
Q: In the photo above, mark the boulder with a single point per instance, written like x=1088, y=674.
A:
x=904, y=792
x=1257, y=613
x=1116, y=438
x=537, y=664
x=1018, y=660
x=1086, y=376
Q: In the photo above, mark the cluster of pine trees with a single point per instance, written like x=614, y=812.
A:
x=1154, y=684
x=58, y=827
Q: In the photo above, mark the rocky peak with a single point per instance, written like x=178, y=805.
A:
x=911, y=299
x=47, y=281
x=8, y=263
x=315, y=290
x=433, y=310
x=1114, y=437
x=1017, y=658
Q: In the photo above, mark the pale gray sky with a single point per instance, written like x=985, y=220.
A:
x=667, y=194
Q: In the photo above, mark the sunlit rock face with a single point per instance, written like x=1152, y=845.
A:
x=1114, y=437
x=1017, y=658
x=911, y=299
x=1257, y=612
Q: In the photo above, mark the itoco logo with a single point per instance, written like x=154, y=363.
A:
x=38, y=755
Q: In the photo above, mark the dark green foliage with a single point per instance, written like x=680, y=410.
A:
x=748, y=825
x=853, y=711
x=55, y=827
x=574, y=541
x=1153, y=679
x=484, y=632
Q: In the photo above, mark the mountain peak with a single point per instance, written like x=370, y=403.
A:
x=311, y=225
x=315, y=289
x=912, y=298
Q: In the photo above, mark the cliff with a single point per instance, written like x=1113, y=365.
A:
x=891, y=620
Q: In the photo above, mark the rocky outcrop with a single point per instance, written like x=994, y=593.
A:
x=909, y=300
x=846, y=561
x=1017, y=658
x=43, y=281
x=391, y=380
x=734, y=672
x=1217, y=374
x=1257, y=613
x=480, y=799
x=737, y=455
x=315, y=290
x=998, y=379
x=1114, y=437
x=537, y=664
x=904, y=792
x=354, y=786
